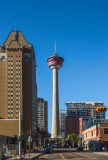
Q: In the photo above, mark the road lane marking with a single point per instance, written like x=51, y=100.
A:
x=85, y=155
x=62, y=156
x=93, y=158
x=78, y=158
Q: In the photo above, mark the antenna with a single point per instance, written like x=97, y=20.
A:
x=15, y=25
x=16, y=32
x=55, y=46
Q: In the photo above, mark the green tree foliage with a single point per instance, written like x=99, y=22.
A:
x=73, y=139
x=63, y=141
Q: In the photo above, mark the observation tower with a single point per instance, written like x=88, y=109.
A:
x=55, y=63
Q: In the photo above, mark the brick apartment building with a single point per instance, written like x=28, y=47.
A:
x=72, y=125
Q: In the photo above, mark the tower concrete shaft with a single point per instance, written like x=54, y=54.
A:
x=55, y=62
x=55, y=105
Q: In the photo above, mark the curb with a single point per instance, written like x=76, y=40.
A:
x=16, y=158
x=38, y=156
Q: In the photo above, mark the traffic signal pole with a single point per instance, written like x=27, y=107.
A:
x=29, y=140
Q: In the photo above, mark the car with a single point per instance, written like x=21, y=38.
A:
x=56, y=145
x=47, y=149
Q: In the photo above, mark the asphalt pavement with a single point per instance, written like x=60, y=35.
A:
x=31, y=156
x=36, y=154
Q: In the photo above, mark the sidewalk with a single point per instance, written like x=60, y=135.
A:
x=27, y=156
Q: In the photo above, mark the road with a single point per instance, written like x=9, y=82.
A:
x=69, y=154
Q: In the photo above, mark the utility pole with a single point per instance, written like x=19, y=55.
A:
x=20, y=140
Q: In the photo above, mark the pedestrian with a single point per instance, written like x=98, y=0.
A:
x=24, y=151
x=103, y=148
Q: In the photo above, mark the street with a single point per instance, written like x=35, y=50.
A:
x=68, y=154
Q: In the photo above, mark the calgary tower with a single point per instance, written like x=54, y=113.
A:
x=55, y=63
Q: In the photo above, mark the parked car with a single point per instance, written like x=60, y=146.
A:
x=47, y=149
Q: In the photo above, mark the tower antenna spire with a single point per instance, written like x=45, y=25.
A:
x=55, y=47
x=16, y=32
x=15, y=25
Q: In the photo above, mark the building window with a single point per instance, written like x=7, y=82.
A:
x=16, y=111
x=8, y=110
x=105, y=130
x=9, y=116
x=86, y=135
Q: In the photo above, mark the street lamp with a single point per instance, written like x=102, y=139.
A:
x=29, y=140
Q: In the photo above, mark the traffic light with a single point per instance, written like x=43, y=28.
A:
x=101, y=109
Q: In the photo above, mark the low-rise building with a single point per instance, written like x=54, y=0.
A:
x=96, y=137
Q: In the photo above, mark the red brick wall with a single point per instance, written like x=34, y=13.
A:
x=72, y=125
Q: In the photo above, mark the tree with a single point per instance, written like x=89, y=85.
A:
x=73, y=139
x=63, y=141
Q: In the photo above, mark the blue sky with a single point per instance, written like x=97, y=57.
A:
x=80, y=28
